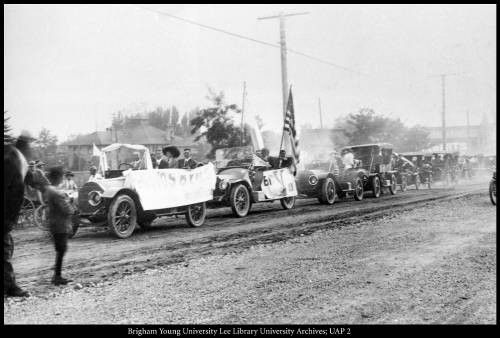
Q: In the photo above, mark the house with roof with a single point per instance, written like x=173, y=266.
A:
x=79, y=150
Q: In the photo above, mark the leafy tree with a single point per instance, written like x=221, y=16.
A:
x=415, y=138
x=45, y=145
x=7, y=130
x=175, y=120
x=185, y=124
x=216, y=125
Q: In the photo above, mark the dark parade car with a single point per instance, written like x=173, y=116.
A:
x=422, y=173
x=376, y=161
x=326, y=180
x=243, y=178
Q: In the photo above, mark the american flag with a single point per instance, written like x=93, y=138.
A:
x=289, y=126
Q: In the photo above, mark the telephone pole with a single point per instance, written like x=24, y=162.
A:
x=243, y=111
x=284, y=76
x=320, y=117
x=443, y=91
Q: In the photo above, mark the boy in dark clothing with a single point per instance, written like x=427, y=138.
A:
x=59, y=216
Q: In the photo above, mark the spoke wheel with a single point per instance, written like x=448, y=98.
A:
x=122, y=216
x=196, y=214
x=358, y=189
x=328, y=194
x=26, y=214
x=493, y=192
x=288, y=202
x=240, y=200
x=393, y=187
x=376, y=187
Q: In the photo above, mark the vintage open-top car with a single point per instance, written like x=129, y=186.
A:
x=244, y=178
x=420, y=173
x=376, y=160
x=326, y=179
x=133, y=193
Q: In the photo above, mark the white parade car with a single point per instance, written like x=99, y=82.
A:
x=133, y=193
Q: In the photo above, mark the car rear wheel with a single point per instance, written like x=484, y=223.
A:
x=358, y=189
x=394, y=185
x=240, y=200
x=196, y=214
x=376, y=186
x=493, y=192
x=288, y=202
x=327, y=194
x=122, y=216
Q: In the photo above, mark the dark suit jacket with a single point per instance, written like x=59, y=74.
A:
x=165, y=165
x=189, y=164
x=60, y=211
x=285, y=163
x=13, y=187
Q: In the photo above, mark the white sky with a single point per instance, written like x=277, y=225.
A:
x=69, y=67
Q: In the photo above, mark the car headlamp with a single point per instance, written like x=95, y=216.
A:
x=95, y=198
x=313, y=180
x=223, y=185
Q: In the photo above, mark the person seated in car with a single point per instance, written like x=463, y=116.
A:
x=187, y=162
x=169, y=159
x=281, y=161
x=347, y=158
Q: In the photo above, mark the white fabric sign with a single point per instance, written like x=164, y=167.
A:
x=278, y=183
x=169, y=188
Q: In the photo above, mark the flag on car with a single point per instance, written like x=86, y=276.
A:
x=289, y=127
x=95, y=150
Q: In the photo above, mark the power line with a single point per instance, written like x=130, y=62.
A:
x=250, y=39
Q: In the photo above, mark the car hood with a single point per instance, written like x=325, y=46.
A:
x=233, y=174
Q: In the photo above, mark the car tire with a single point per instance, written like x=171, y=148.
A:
x=493, y=192
x=196, y=214
x=288, y=202
x=328, y=192
x=358, y=189
x=376, y=189
x=122, y=216
x=394, y=185
x=239, y=200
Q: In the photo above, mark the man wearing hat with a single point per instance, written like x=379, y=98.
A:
x=187, y=162
x=94, y=175
x=68, y=183
x=15, y=172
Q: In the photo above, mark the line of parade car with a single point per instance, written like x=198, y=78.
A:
x=127, y=198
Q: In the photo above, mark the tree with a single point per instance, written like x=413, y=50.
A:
x=366, y=126
x=416, y=138
x=175, y=119
x=216, y=125
x=7, y=130
x=184, y=125
x=46, y=144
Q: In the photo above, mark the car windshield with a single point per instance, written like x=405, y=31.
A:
x=237, y=157
x=123, y=157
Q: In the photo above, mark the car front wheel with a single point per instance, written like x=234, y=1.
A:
x=122, y=216
x=393, y=187
x=376, y=186
x=240, y=200
x=493, y=192
x=327, y=194
x=358, y=189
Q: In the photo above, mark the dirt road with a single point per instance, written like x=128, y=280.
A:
x=358, y=243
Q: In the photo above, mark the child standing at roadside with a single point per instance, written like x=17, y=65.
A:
x=59, y=216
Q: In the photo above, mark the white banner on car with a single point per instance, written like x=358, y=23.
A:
x=169, y=188
x=278, y=183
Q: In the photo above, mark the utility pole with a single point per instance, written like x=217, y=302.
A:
x=443, y=85
x=468, y=132
x=284, y=76
x=243, y=111
x=320, y=117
